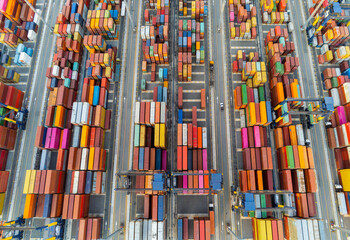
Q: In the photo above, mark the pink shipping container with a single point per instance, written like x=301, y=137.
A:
x=55, y=138
x=201, y=181
x=244, y=134
x=257, y=136
x=164, y=159
x=48, y=138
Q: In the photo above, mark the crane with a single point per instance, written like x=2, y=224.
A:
x=324, y=110
x=20, y=117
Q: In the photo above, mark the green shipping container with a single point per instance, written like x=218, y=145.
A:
x=263, y=205
x=244, y=95
x=137, y=136
x=290, y=156
x=143, y=85
x=334, y=82
x=261, y=94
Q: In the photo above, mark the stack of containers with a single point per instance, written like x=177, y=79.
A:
x=298, y=228
x=191, y=33
x=11, y=97
x=192, y=154
x=250, y=97
x=150, y=136
x=274, y=12
x=331, y=54
x=257, y=160
x=104, y=22
x=7, y=75
x=155, y=36
x=89, y=228
x=18, y=22
x=151, y=4
x=296, y=168
x=333, y=35
x=4, y=175
x=279, y=66
x=243, y=15
x=23, y=55
x=202, y=227
x=147, y=229
x=101, y=63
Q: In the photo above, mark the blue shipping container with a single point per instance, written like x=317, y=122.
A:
x=160, y=207
x=179, y=229
x=141, y=158
x=180, y=115
x=96, y=97
x=160, y=94
x=158, y=159
x=88, y=184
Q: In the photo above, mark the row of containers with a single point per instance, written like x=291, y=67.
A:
x=197, y=9
x=288, y=228
x=196, y=227
x=327, y=31
x=72, y=159
x=150, y=138
x=7, y=75
x=242, y=19
x=18, y=22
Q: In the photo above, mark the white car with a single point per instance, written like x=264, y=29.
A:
x=222, y=106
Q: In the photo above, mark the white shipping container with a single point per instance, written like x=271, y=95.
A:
x=103, y=184
x=143, y=32
x=94, y=178
x=345, y=135
x=75, y=182
x=311, y=229
x=335, y=96
x=257, y=205
x=316, y=229
x=347, y=92
x=138, y=230
x=161, y=230
x=85, y=114
x=137, y=112
x=32, y=35
x=74, y=113
x=122, y=12
x=300, y=134
x=184, y=134
x=295, y=228
x=154, y=230
x=36, y=17
x=69, y=28
x=79, y=29
x=204, y=137
x=163, y=112
x=79, y=112
x=74, y=75
x=25, y=58
x=84, y=159
x=55, y=70
x=265, y=17
x=145, y=230
x=342, y=203
x=147, y=32
x=131, y=230
x=153, y=113
x=301, y=181
x=149, y=232
x=305, y=229
x=242, y=116
x=336, y=137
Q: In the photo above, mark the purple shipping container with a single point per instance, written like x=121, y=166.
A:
x=48, y=138
x=201, y=181
x=184, y=182
x=205, y=159
x=244, y=134
x=65, y=138
x=257, y=136
x=164, y=159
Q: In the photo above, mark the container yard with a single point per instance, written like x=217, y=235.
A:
x=163, y=119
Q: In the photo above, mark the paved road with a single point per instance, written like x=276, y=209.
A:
x=222, y=132
x=312, y=87
x=124, y=116
x=36, y=99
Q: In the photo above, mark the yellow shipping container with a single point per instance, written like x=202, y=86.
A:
x=27, y=181
x=268, y=229
x=84, y=136
x=261, y=227
x=251, y=114
x=233, y=33
x=345, y=179
x=91, y=158
x=32, y=182
x=156, y=135
x=281, y=17
x=254, y=22
x=166, y=83
x=142, y=135
x=263, y=116
x=273, y=17
x=2, y=200
x=148, y=184
x=162, y=141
